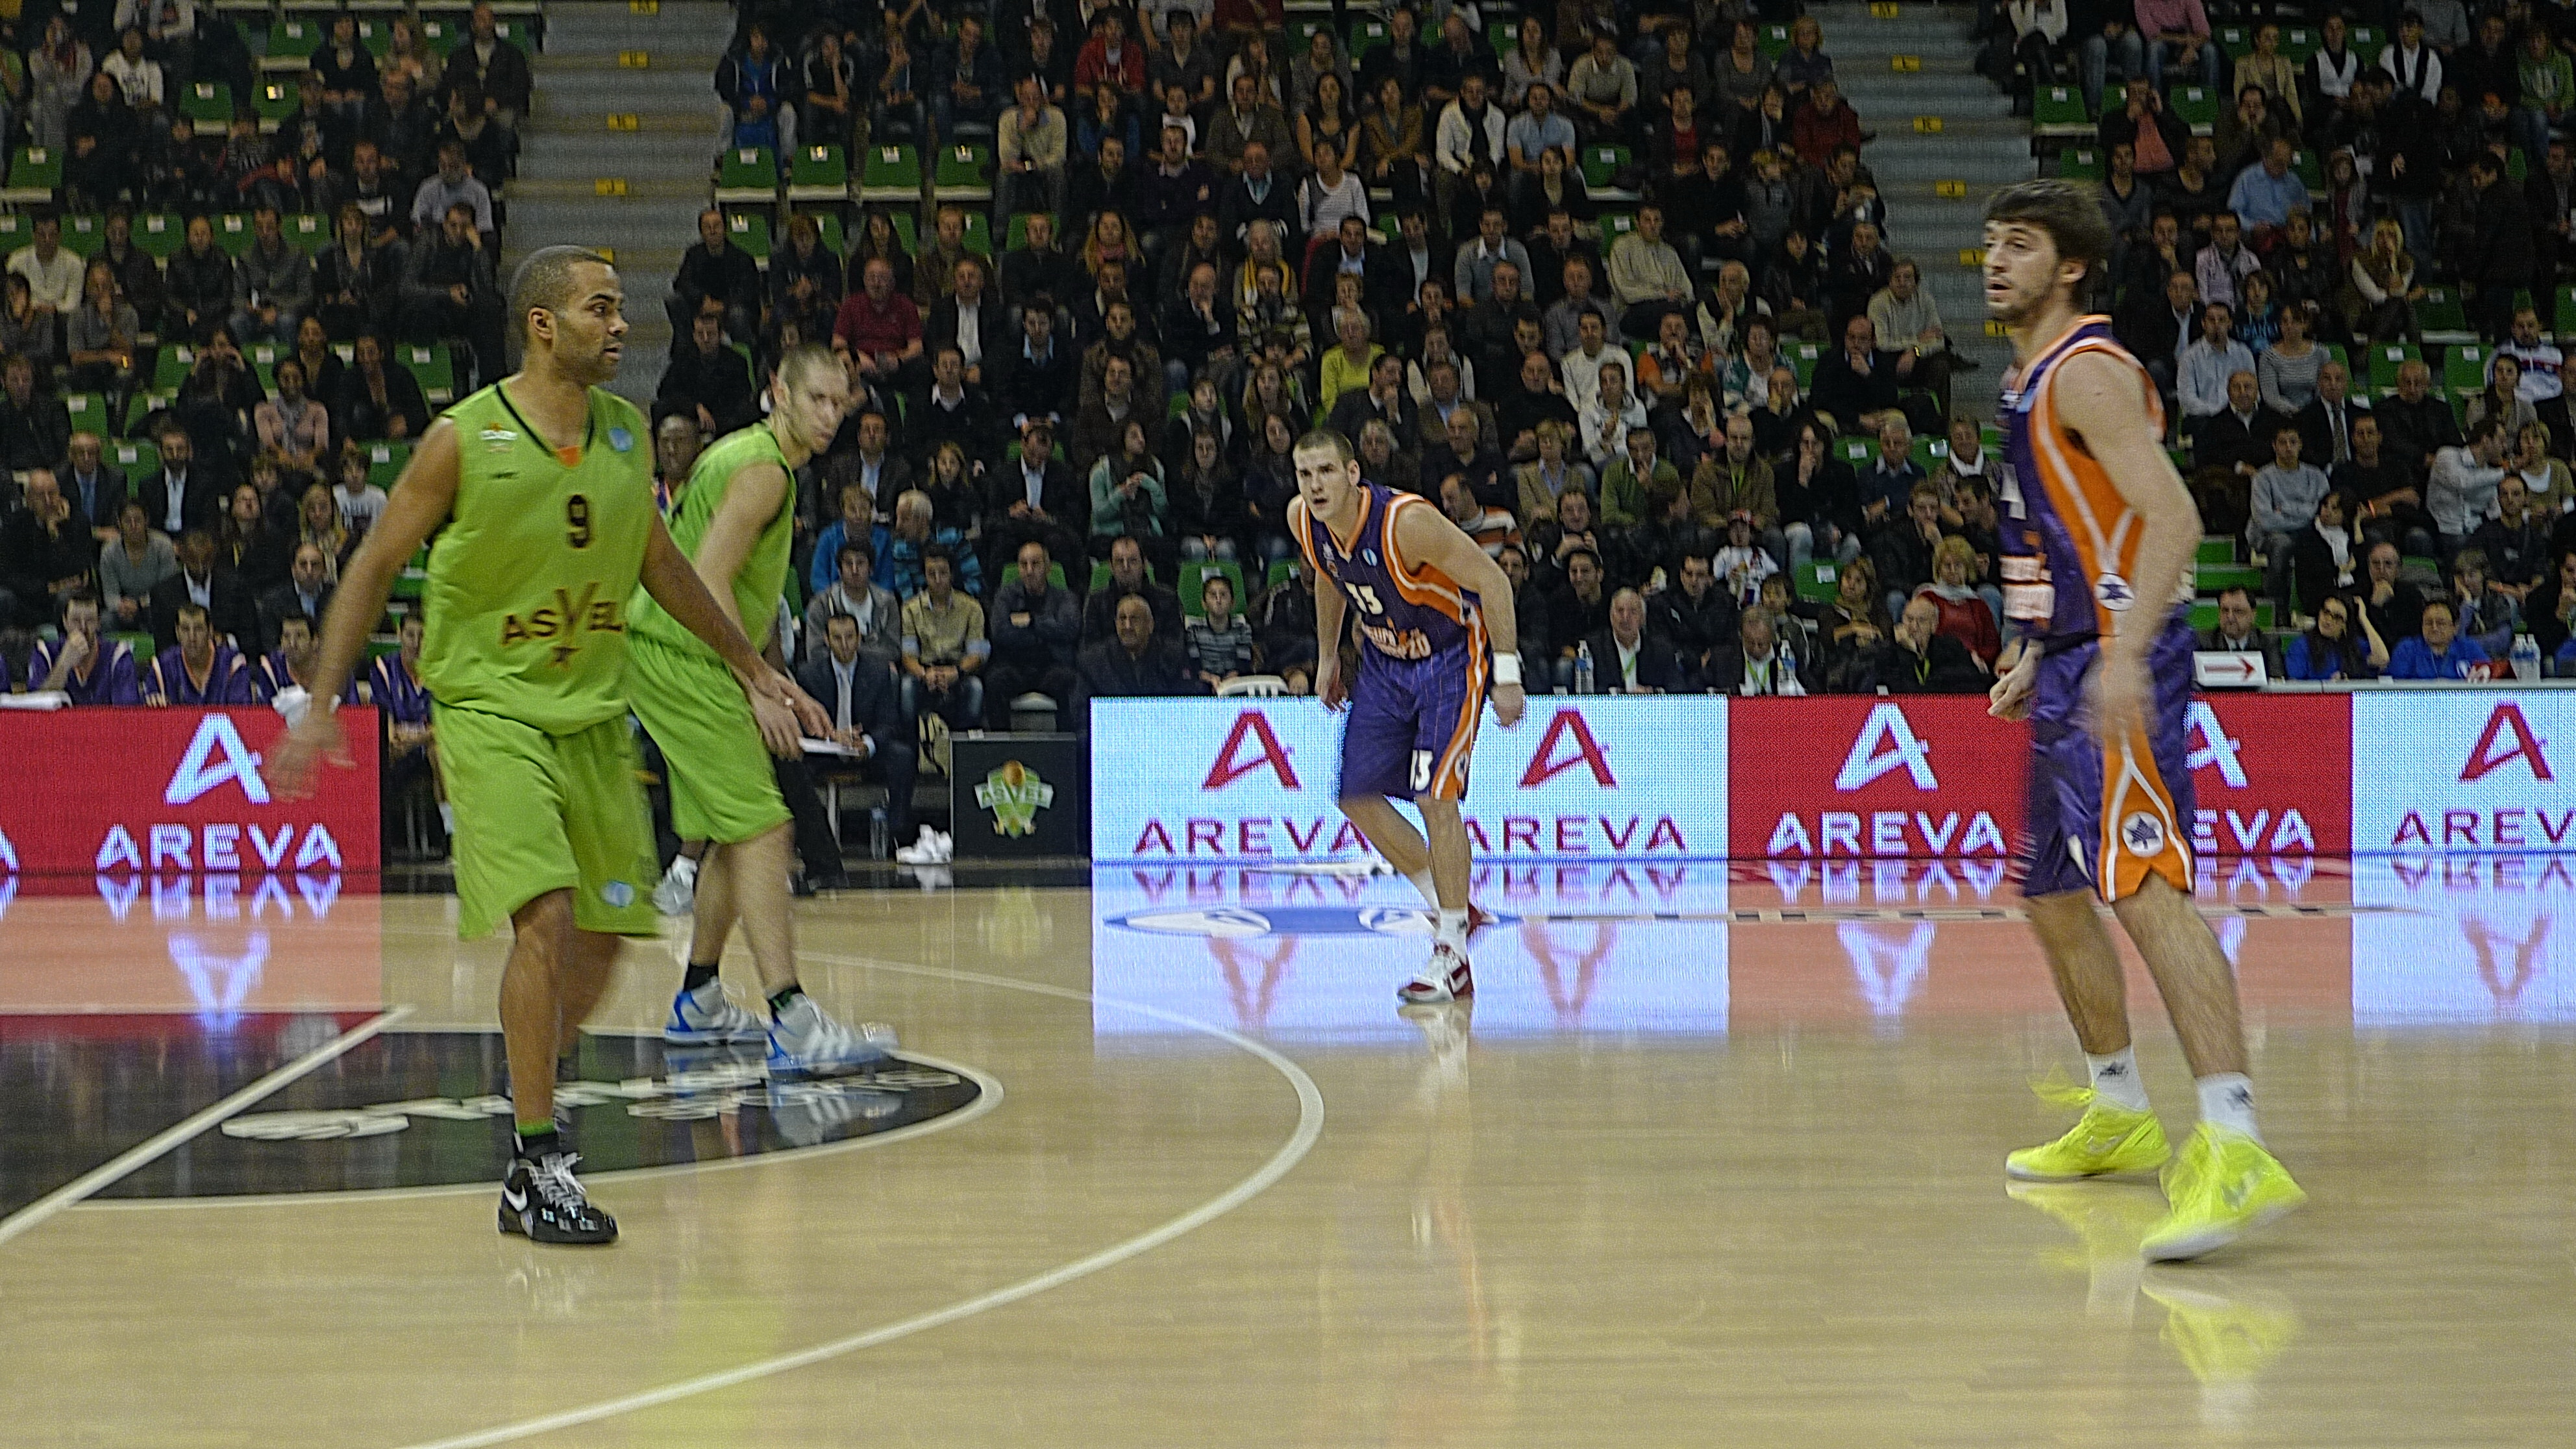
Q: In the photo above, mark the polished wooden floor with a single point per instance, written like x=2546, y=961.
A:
x=1716, y=1162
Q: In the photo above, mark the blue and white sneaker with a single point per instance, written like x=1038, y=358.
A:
x=803, y=1041
x=707, y=1017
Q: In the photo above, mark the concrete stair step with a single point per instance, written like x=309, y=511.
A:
x=640, y=190
x=1907, y=96
x=613, y=26
x=583, y=154
x=597, y=92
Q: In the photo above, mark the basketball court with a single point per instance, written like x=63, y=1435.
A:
x=1715, y=1160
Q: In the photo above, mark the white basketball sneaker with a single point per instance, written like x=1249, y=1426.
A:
x=678, y=891
x=708, y=1017
x=804, y=1041
x=1445, y=977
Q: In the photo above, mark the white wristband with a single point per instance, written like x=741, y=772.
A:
x=1507, y=669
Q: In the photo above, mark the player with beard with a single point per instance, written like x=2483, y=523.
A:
x=1435, y=623
x=540, y=491
x=2097, y=568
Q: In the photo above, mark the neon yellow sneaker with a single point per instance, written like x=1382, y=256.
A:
x=2107, y=1139
x=2223, y=1186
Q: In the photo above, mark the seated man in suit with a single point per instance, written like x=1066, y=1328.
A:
x=1127, y=576
x=1035, y=497
x=208, y=585
x=1920, y=659
x=1133, y=662
x=306, y=594
x=1628, y=660
x=858, y=692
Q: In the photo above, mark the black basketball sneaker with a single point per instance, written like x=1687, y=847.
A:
x=542, y=1200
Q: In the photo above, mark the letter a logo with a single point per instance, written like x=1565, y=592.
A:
x=200, y=771
x=1903, y=750
x=2215, y=747
x=2484, y=761
x=1545, y=766
x=1227, y=770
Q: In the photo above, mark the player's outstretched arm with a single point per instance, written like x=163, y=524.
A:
x=420, y=502
x=2100, y=400
x=1428, y=537
x=673, y=581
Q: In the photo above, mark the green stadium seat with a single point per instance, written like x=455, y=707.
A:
x=1304, y=30
x=233, y=234
x=160, y=234
x=2196, y=107
x=1815, y=582
x=965, y=172
x=1600, y=163
x=2236, y=40
x=2215, y=549
x=750, y=231
x=2565, y=301
x=2310, y=169
x=376, y=36
x=275, y=101
x=2386, y=358
x=35, y=173
x=134, y=457
x=308, y=232
x=2059, y=111
x=263, y=363
x=747, y=174
x=1614, y=225
x=819, y=173
x=210, y=105
x=385, y=462
x=1366, y=36
x=89, y=414
x=1772, y=40
x=828, y=223
x=907, y=226
x=2215, y=579
x=1504, y=36
x=84, y=234
x=143, y=404
x=1389, y=224
x=2081, y=163
x=892, y=173
x=2464, y=369
x=2442, y=317
x=1803, y=357
x=433, y=367
x=17, y=228
x=1929, y=453
x=2516, y=167
x=1280, y=572
x=1858, y=452
x=170, y=368
x=292, y=44
x=979, y=235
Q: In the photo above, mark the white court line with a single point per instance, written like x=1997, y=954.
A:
x=1310, y=1125
x=988, y=1096
x=143, y=1152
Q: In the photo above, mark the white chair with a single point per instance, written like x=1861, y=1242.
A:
x=1253, y=686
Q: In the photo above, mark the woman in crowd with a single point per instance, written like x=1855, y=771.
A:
x=2341, y=644
x=1207, y=502
x=2502, y=398
x=1964, y=614
x=1393, y=152
x=2288, y=368
x=878, y=241
x=318, y=523
x=244, y=542
x=102, y=334
x=2382, y=301
x=1269, y=481
x=1553, y=474
x=2258, y=317
x=1328, y=122
x=1819, y=499
x=1531, y=62
x=1109, y=241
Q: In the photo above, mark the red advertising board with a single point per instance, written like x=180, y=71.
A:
x=1859, y=777
x=165, y=791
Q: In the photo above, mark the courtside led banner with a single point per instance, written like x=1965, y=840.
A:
x=1611, y=777
x=1937, y=776
x=2440, y=772
x=176, y=791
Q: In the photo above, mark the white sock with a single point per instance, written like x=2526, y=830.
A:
x=2227, y=1100
x=1453, y=928
x=1422, y=882
x=2115, y=1079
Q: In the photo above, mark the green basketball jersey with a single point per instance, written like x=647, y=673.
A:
x=762, y=580
x=528, y=583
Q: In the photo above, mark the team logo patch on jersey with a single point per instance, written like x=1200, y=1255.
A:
x=2113, y=593
x=618, y=893
x=620, y=439
x=2142, y=835
x=499, y=439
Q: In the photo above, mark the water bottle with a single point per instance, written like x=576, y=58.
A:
x=1788, y=675
x=2526, y=658
x=1583, y=668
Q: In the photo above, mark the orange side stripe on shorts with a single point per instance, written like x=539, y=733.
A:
x=2132, y=783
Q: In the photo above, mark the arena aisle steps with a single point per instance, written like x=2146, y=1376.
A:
x=1979, y=144
x=569, y=149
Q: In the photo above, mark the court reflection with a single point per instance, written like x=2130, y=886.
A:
x=220, y=945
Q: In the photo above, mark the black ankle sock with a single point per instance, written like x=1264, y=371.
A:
x=784, y=998
x=697, y=976
x=534, y=1145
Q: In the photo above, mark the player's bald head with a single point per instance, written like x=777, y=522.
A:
x=554, y=279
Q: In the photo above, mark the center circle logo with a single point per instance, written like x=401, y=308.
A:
x=403, y=1111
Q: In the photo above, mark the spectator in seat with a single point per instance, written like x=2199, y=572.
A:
x=1965, y=614
x=454, y=184
x=857, y=690
x=1579, y=609
x=1647, y=276
x=756, y=84
x=2232, y=446
x=1035, y=628
x=1857, y=385
x=2417, y=423
x=203, y=581
x=1038, y=496
x=1891, y=477
x=1030, y=147
x=1698, y=617
x=293, y=424
x=1904, y=547
x=2515, y=543
x=200, y=670
x=449, y=290
x=100, y=336
x=2463, y=484
x=47, y=552
x=91, y=669
x=2285, y=497
x=1819, y=499
x=359, y=501
x=2236, y=632
x=879, y=329
x=377, y=401
x=35, y=430
x=1755, y=664
x=1921, y=659
x=130, y=568
x=276, y=282
x=944, y=648
x=855, y=595
x=1823, y=124
x=1628, y=660
x=1127, y=577
x=1136, y=661
x=2439, y=650
x=2486, y=613
x=1219, y=641
x=1633, y=475
x=306, y=594
x=53, y=271
x=711, y=378
x=498, y=67
x=95, y=487
x=717, y=270
x=1246, y=120
x=1908, y=318
x=968, y=75
x=2340, y=645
